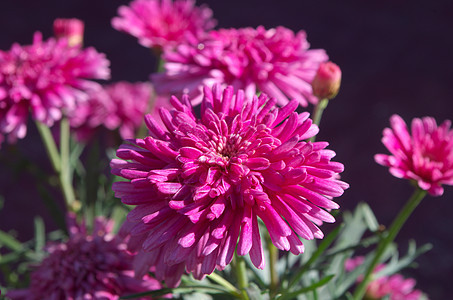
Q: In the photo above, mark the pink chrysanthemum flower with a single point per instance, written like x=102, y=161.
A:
x=426, y=156
x=121, y=105
x=45, y=78
x=131, y=101
x=200, y=184
x=275, y=61
x=163, y=23
x=89, y=115
x=396, y=287
x=93, y=265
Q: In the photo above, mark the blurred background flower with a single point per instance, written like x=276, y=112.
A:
x=91, y=264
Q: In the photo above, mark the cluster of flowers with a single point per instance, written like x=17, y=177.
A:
x=199, y=183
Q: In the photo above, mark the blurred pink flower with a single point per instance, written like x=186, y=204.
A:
x=326, y=83
x=88, y=266
x=121, y=105
x=395, y=286
x=163, y=23
x=46, y=78
x=426, y=156
x=131, y=101
x=89, y=115
x=275, y=61
x=200, y=184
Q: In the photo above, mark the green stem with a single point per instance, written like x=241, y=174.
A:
x=225, y=283
x=399, y=221
x=317, y=114
x=59, y=161
x=51, y=147
x=65, y=174
x=273, y=258
x=241, y=273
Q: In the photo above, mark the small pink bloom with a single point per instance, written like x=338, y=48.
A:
x=276, y=61
x=395, y=286
x=201, y=183
x=130, y=103
x=121, y=105
x=92, y=265
x=89, y=115
x=46, y=79
x=70, y=29
x=326, y=83
x=426, y=156
x=163, y=23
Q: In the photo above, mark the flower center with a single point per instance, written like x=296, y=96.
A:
x=229, y=147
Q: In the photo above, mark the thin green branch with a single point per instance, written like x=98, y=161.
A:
x=317, y=114
x=49, y=144
x=225, y=283
x=241, y=274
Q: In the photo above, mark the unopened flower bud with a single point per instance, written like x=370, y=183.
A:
x=71, y=29
x=326, y=83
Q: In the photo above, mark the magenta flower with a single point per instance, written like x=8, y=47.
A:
x=87, y=266
x=426, y=156
x=47, y=79
x=90, y=115
x=396, y=287
x=130, y=103
x=200, y=184
x=275, y=61
x=163, y=23
x=121, y=105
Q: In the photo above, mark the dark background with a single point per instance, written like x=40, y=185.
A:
x=395, y=58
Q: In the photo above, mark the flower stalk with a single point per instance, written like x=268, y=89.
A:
x=225, y=283
x=241, y=275
x=49, y=144
x=60, y=159
x=387, y=239
x=317, y=113
x=273, y=259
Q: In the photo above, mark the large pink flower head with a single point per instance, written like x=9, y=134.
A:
x=163, y=23
x=426, y=156
x=275, y=61
x=200, y=184
x=396, y=287
x=46, y=78
x=130, y=103
x=92, y=265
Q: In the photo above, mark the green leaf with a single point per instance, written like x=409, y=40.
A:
x=40, y=234
x=396, y=265
x=327, y=241
x=10, y=257
x=310, y=288
x=254, y=292
x=10, y=242
x=369, y=217
x=179, y=290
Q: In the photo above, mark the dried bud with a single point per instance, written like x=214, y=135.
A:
x=326, y=83
x=72, y=29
